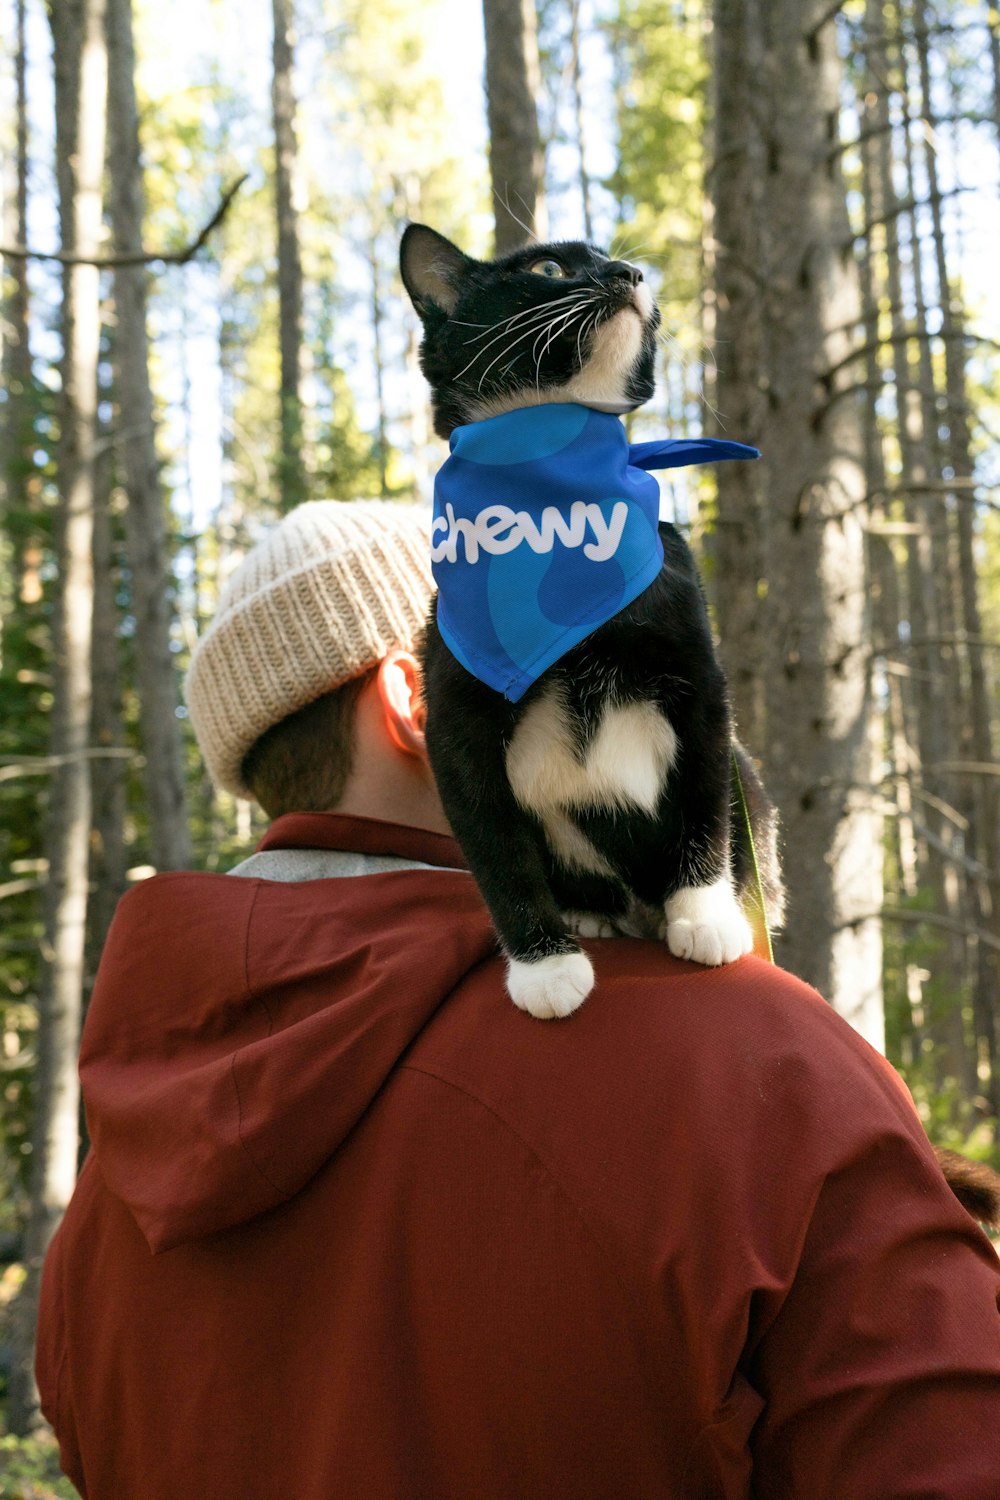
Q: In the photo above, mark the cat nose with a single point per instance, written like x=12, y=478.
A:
x=625, y=270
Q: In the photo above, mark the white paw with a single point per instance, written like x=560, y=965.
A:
x=555, y=986
x=588, y=924
x=705, y=924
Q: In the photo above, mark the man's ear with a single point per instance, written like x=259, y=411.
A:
x=399, y=692
x=432, y=269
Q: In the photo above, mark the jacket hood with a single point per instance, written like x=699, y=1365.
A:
x=240, y=1028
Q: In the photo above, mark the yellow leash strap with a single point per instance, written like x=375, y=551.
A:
x=757, y=906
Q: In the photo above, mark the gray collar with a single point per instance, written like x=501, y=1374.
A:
x=321, y=864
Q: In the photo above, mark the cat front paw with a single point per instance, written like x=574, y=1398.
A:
x=551, y=987
x=706, y=925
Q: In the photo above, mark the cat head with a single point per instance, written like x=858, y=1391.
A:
x=553, y=322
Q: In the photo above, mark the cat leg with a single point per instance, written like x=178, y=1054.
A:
x=589, y=902
x=588, y=924
x=706, y=924
x=548, y=973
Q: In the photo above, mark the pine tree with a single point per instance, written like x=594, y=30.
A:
x=81, y=95
x=818, y=734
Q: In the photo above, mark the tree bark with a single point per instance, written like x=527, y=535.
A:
x=923, y=706
x=291, y=472
x=81, y=95
x=378, y=354
x=108, y=854
x=984, y=833
x=818, y=748
x=517, y=165
x=739, y=541
x=149, y=561
x=993, y=26
x=15, y=369
x=579, y=116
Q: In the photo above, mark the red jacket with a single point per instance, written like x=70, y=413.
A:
x=354, y=1228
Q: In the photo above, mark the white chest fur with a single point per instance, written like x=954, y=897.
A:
x=624, y=766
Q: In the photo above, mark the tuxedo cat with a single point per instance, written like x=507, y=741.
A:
x=599, y=794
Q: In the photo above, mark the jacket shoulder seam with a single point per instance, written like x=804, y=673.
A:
x=283, y=1195
x=605, y=1250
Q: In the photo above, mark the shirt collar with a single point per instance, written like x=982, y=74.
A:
x=330, y=830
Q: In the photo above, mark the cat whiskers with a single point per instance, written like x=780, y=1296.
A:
x=541, y=315
x=700, y=358
x=592, y=320
x=526, y=312
x=564, y=327
x=556, y=322
x=529, y=315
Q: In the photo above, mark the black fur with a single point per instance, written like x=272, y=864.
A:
x=463, y=303
x=658, y=650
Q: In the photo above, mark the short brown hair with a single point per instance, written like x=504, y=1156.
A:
x=302, y=763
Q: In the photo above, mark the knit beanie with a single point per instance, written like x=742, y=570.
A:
x=325, y=596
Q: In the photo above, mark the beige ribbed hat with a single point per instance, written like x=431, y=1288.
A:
x=326, y=595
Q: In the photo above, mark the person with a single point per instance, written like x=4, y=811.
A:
x=351, y=1225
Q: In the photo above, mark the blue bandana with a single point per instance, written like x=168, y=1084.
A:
x=544, y=528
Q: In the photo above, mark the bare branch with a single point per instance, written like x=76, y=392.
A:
x=966, y=767
x=832, y=11
x=905, y=207
x=968, y=117
x=956, y=335
x=134, y=257
x=933, y=918
x=39, y=765
x=18, y=887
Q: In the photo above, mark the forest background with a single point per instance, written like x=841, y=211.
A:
x=202, y=325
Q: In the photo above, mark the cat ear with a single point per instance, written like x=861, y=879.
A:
x=432, y=269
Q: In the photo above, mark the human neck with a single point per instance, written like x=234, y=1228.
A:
x=387, y=781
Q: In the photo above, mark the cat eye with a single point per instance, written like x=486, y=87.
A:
x=550, y=268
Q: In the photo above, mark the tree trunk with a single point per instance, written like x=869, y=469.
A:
x=15, y=369
x=818, y=749
x=108, y=854
x=993, y=26
x=382, y=438
x=739, y=542
x=579, y=115
x=291, y=475
x=984, y=834
x=516, y=158
x=81, y=95
x=924, y=703
x=149, y=563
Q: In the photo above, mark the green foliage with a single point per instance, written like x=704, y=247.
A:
x=347, y=458
x=29, y=1470
x=661, y=112
x=25, y=692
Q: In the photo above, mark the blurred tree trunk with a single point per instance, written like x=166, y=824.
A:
x=818, y=746
x=739, y=395
x=15, y=366
x=981, y=801
x=80, y=57
x=918, y=699
x=513, y=80
x=993, y=26
x=382, y=439
x=149, y=560
x=291, y=466
x=108, y=855
x=579, y=116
